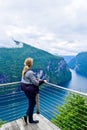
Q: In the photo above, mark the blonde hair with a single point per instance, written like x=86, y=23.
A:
x=27, y=65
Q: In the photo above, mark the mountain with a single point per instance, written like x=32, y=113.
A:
x=68, y=58
x=46, y=65
x=79, y=63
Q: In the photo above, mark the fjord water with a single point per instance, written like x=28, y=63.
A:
x=14, y=105
x=77, y=82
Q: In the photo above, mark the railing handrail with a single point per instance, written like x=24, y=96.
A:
x=51, y=84
x=6, y=84
x=71, y=90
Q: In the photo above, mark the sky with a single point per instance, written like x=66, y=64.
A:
x=57, y=26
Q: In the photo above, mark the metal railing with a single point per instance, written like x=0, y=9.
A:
x=67, y=112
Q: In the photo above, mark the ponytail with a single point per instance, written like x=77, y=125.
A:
x=28, y=63
x=25, y=69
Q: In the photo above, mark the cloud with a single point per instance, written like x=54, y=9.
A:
x=55, y=26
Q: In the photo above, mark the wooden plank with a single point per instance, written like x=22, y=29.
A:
x=10, y=126
x=44, y=124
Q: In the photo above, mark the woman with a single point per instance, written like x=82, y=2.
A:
x=30, y=86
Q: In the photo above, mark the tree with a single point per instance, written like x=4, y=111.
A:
x=73, y=114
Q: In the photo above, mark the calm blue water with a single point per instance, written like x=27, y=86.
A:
x=14, y=105
x=77, y=82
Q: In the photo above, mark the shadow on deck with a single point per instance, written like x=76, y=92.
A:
x=44, y=124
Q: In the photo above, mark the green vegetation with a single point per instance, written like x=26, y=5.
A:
x=73, y=114
x=2, y=122
x=12, y=59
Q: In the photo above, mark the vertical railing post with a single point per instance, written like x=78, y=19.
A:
x=37, y=104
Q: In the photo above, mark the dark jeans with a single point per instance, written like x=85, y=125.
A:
x=31, y=104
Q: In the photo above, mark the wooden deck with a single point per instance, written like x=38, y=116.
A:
x=44, y=124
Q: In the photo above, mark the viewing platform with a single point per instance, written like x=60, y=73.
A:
x=13, y=106
x=44, y=124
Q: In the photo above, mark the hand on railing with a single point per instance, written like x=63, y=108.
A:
x=45, y=81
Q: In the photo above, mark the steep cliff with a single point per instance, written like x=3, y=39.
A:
x=79, y=63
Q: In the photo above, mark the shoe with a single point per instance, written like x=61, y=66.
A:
x=35, y=122
x=38, y=112
x=25, y=119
